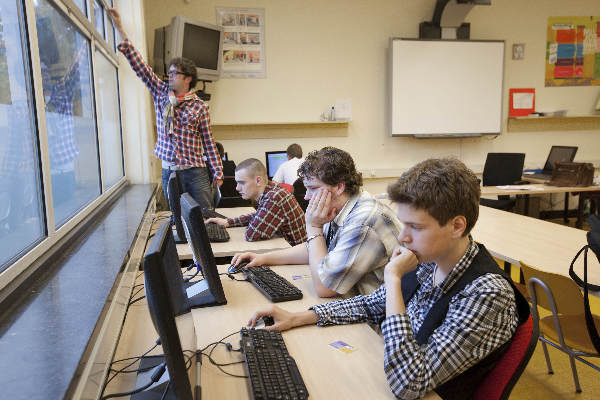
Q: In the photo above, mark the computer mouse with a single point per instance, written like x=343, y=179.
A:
x=234, y=269
x=263, y=322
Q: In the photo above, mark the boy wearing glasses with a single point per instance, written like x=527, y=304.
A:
x=183, y=123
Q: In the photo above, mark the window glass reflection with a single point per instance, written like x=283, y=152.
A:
x=82, y=6
x=108, y=95
x=99, y=18
x=70, y=120
x=21, y=211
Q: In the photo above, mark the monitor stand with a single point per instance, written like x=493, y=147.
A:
x=154, y=392
x=200, y=295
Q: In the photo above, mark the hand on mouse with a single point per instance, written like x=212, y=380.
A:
x=253, y=259
x=282, y=319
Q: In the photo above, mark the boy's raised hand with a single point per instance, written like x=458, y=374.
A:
x=401, y=262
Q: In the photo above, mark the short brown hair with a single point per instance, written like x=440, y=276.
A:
x=254, y=167
x=444, y=188
x=294, y=151
x=188, y=67
x=332, y=166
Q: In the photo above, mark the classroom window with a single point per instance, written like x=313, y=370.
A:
x=69, y=111
x=22, y=222
x=110, y=121
x=99, y=18
x=82, y=6
x=110, y=33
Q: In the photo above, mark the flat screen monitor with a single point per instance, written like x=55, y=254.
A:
x=503, y=168
x=274, y=160
x=559, y=154
x=174, y=190
x=210, y=291
x=160, y=259
x=200, y=42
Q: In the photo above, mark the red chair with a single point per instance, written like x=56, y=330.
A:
x=287, y=187
x=500, y=381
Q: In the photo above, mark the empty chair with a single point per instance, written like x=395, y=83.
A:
x=565, y=329
x=299, y=193
x=502, y=169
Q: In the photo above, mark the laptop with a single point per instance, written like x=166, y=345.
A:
x=557, y=154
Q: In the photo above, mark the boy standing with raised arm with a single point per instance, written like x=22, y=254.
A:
x=446, y=311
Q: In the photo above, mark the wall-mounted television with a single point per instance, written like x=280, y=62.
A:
x=184, y=37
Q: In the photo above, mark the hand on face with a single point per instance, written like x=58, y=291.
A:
x=401, y=262
x=320, y=209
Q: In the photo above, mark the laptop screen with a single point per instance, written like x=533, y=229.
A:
x=559, y=153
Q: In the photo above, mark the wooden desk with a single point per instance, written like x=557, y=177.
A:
x=327, y=372
x=542, y=244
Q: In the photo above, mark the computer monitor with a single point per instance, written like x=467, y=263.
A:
x=559, y=154
x=160, y=259
x=274, y=160
x=198, y=41
x=503, y=168
x=211, y=292
x=174, y=190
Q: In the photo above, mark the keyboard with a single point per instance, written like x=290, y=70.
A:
x=211, y=213
x=271, y=284
x=217, y=233
x=273, y=372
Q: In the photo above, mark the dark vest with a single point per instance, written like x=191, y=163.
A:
x=464, y=385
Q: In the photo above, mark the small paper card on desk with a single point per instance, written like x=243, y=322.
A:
x=343, y=347
x=294, y=277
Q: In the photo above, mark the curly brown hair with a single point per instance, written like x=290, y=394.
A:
x=332, y=166
x=444, y=188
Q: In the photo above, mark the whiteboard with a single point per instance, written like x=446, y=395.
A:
x=446, y=87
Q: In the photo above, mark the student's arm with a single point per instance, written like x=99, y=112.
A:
x=480, y=319
x=265, y=221
x=242, y=220
x=141, y=69
x=293, y=255
x=212, y=155
x=356, y=309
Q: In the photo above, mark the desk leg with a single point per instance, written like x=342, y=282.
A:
x=566, y=213
x=580, y=206
x=526, y=205
x=507, y=267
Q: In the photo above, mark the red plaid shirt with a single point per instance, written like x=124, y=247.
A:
x=278, y=212
x=191, y=122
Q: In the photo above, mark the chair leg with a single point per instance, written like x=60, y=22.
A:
x=548, y=364
x=575, y=377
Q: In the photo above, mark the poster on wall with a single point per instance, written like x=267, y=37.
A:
x=573, y=51
x=243, y=42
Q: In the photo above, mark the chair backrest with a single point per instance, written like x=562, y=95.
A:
x=299, y=193
x=503, y=168
x=500, y=381
x=287, y=187
x=566, y=294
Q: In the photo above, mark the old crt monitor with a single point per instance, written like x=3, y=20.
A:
x=160, y=258
x=274, y=160
x=210, y=291
x=174, y=190
x=184, y=37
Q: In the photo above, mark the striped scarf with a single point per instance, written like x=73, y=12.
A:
x=169, y=110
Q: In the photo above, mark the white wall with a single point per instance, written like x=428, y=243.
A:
x=319, y=51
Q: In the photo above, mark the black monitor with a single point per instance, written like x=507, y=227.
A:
x=559, y=154
x=160, y=260
x=174, y=190
x=503, y=168
x=274, y=160
x=211, y=292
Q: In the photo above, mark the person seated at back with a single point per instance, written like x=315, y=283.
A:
x=228, y=165
x=446, y=311
x=278, y=212
x=288, y=171
x=351, y=235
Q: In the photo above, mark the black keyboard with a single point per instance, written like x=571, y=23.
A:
x=273, y=372
x=272, y=285
x=211, y=213
x=217, y=233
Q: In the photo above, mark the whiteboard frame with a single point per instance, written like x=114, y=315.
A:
x=413, y=99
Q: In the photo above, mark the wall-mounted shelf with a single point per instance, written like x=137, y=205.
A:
x=525, y=124
x=270, y=130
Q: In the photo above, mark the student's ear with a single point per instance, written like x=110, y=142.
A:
x=459, y=224
x=259, y=179
x=339, y=188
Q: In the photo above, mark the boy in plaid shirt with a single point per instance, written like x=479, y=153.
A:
x=278, y=212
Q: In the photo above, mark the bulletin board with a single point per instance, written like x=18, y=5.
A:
x=573, y=51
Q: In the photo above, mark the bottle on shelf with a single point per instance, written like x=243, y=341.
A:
x=332, y=114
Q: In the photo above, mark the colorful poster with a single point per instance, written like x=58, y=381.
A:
x=243, y=42
x=573, y=51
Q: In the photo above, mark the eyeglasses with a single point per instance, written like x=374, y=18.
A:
x=172, y=73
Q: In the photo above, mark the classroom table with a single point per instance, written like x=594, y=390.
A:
x=541, y=244
x=539, y=189
x=327, y=372
x=237, y=242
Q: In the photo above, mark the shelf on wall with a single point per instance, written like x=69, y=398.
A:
x=525, y=124
x=270, y=130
